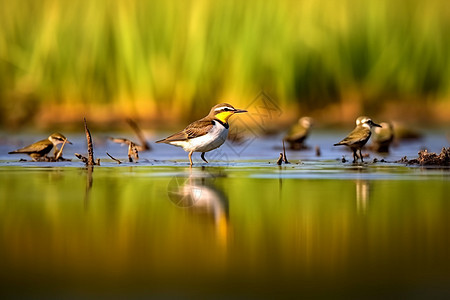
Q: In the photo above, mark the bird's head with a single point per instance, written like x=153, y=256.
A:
x=306, y=122
x=224, y=111
x=385, y=127
x=366, y=122
x=57, y=138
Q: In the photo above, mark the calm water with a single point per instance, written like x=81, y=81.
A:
x=240, y=226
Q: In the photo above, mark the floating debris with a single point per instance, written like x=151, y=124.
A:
x=430, y=159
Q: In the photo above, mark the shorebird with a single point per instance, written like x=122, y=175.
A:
x=298, y=133
x=359, y=136
x=205, y=134
x=383, y=137
x=41, y=148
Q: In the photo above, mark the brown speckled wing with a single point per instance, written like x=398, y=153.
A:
x=193, y=130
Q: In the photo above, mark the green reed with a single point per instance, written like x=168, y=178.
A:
x=168, y=55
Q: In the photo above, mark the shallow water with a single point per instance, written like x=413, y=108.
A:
x=240, y=226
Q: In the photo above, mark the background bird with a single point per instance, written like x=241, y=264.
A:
x=298, y=133
x=41, y=148
x=383, y=137
x=205, y=134
x=359, y=136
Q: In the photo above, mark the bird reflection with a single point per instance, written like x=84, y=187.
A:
x=200, y=196
x=362, y=195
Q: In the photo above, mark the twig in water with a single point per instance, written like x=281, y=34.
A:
x=285, y=160
x=115, y=159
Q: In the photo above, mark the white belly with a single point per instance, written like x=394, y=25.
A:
x=210, y=141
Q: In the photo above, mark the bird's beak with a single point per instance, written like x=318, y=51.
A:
x=68, y=142
x=376, y=125
x=240, y=111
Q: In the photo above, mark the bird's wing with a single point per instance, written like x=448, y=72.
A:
x=383, y=136
x=296, y=133
x=358, y=135
x=193, y=130
x=40, y=146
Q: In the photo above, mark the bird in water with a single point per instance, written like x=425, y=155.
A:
x=359, y=136
x=40, y=149
x=205, y=134
x=298, y=133
x=383, y=137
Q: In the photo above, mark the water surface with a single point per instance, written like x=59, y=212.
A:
x=240, y=226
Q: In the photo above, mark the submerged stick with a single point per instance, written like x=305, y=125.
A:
x=144, y=144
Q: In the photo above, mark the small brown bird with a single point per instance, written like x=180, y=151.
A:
x=359, y=136
x=205, y=134
x=383, y=137
x=41, y=148
x=298, y=133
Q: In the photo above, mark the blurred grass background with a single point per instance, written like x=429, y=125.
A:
x=169, y=61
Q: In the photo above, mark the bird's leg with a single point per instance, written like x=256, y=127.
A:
x=203, y=157
x=360, y=155
x=355, y=156
x=190, y=158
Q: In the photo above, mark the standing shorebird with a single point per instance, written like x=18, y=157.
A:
x=41, y=148
x=383, y=137
x=205, y=134
x=298, y=133
x=359, y=136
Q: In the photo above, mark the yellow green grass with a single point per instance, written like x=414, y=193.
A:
x=165, y=60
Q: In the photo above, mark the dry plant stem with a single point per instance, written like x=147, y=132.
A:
x=145, y=146
x=285, y=160
x=90, y=161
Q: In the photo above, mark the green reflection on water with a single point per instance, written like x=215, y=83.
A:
x=167, y=231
